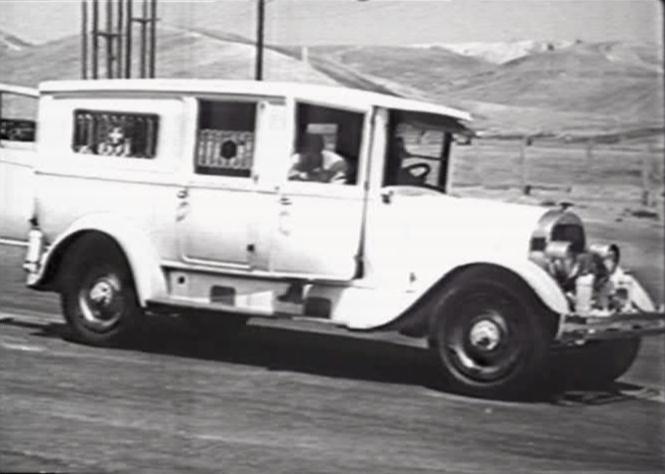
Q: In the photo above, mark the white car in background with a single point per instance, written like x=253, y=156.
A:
x=195, y=198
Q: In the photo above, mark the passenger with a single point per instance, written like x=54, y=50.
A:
x=314, y=163
x=117, y=144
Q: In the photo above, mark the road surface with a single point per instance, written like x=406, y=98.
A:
x=282, y=398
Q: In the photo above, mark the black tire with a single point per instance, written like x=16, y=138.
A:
x=97, y=293
x=490, y=334
x=597, y=364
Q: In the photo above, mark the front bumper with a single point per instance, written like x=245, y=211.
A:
x=574, y=328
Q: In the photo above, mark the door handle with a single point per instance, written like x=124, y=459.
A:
x=285, y=201
x=183, y=193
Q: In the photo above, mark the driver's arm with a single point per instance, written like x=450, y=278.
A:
x=336, y=168
x=295, y=174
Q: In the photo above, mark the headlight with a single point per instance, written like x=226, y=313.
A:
x=559, y=249
x=560, y=261
x=556, y=243
x=609, y=253
x=585, y=275
x=559, y=225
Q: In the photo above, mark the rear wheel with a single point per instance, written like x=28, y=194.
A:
x=490, y=335
x=98, y=296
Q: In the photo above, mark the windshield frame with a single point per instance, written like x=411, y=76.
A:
x=395, y=174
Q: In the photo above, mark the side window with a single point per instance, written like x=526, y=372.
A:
x=327, y=145
x=124, y=134
x=17, y=117
x=225, y=138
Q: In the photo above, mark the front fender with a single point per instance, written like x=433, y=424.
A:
x=140, y=253
x=374, y=307
x=543, y=285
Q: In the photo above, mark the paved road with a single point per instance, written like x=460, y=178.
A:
x=282, y=399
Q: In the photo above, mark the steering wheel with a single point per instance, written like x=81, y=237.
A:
x=418, y=171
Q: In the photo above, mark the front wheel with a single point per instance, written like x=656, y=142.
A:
x=490, y=336
x=98, y=296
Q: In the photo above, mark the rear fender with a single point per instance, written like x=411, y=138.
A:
x=140, y=253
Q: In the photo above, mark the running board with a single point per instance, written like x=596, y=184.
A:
x=175, y=305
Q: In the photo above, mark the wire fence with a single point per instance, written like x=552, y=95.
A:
x=635, y=166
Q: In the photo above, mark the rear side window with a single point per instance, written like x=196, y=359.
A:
x=225, y=138
x=122, y=134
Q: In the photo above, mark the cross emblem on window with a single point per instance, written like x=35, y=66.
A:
x=116, y=136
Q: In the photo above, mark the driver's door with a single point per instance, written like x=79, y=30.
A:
x=319, y=224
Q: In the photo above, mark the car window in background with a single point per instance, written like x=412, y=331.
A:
x=18, y=115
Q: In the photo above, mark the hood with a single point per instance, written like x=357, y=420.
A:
x=424, y=230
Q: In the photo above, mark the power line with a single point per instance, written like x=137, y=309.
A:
x=357, y=11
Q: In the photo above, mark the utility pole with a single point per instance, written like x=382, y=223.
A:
x=260, y=20
x=143, y=23
x=153, y=38
x=119, y=36
x=95, y=39
x=128, y=41
x=109, y=36
x=84, y=40
x=113, y=53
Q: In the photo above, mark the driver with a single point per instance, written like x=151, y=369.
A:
x=406, y=174
x=314, y=163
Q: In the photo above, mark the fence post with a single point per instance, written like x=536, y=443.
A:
x=589, y=156
x=657, y=161
x=646, y=192
x=526, y=188
x=475, y=171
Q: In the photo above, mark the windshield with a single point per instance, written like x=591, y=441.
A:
x=418, y=149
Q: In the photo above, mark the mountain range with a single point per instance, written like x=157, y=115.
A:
x=9, y=42
x=527, y=87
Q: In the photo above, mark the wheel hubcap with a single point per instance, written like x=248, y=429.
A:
x=483, y=341
x=101, y=302
x=485, y=335
x=101, y=294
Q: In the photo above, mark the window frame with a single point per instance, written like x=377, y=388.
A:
x=440, y=123
x=363, y=143
x=152, y=145
x=241, y=173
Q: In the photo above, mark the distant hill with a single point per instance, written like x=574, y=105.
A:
x=9, y=42
x=595, y=87
x=404, y=64
x=181, y=54
x=561, y=89
x=503, y=51
x=621, y=82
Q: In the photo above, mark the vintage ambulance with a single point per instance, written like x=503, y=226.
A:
x=218, y=198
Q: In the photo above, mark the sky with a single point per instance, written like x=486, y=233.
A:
x=374, y=21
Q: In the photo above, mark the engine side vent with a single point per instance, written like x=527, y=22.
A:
x=223, y=294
